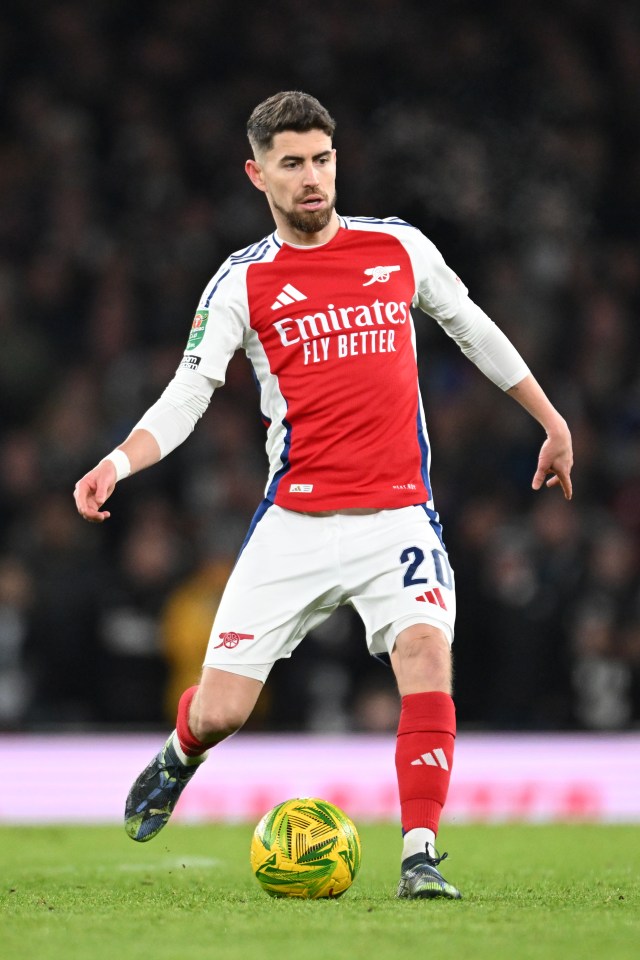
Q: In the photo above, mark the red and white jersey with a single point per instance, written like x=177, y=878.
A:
x=329, y=333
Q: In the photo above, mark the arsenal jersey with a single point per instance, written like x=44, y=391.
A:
x=329, y=332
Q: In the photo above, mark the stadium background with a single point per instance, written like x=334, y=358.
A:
x=509, y=134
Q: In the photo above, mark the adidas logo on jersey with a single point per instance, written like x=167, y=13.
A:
x=434, y=758
x=287, y=295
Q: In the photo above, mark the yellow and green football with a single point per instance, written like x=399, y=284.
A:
x=305, y=847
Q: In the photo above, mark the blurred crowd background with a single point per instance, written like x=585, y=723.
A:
x=509, y=132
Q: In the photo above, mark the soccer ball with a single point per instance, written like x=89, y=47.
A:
x=305, y=848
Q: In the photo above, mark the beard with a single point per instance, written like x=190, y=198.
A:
x=312, y=221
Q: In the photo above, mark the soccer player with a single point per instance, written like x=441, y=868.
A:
x=322, y=308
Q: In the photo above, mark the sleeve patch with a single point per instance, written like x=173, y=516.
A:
x=197, y=329
x=190, y=361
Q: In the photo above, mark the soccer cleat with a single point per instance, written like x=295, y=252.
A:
x=421, y=880
x=154, y=794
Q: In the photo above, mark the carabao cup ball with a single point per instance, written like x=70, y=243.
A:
x=305, y=847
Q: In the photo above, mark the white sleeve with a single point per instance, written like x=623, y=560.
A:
x=439, y=291
x=442, y=295
x=172, y=418
x=485, y=344
x=220, y=323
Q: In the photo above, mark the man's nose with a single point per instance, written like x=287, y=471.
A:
x=309, y=174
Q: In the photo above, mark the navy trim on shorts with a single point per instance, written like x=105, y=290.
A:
x=434, y=520
x=257, y=517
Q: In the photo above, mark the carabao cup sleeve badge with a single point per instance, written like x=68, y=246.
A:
x=197, y=329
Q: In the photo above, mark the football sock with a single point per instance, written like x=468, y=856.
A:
x=418, y=840
x=184, y=757
x=424, y=757
x=189, y=749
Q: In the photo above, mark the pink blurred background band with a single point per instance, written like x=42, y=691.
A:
x=531, y=778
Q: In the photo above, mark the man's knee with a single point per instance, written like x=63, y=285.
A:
x=421, y=660
x=222, y=704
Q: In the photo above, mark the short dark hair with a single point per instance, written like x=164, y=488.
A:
x=288, y=110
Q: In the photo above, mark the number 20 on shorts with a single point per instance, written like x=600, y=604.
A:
x=414, y=558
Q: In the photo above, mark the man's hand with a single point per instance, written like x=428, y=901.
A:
x=93, y=490
x=556, y=453
x=556, y=458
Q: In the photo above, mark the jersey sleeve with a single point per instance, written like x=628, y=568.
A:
x=439, y=291
x=174, y=415
x=219, y=324
x=441, y=294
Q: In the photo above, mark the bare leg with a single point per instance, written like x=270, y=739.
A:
x=222, y=704
x=208, y=713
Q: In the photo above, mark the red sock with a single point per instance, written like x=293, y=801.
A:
x=424, y=757
x=190, y=744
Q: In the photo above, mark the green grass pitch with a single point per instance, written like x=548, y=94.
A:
x=88, y=893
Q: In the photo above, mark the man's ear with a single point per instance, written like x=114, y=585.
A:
x=254, y=171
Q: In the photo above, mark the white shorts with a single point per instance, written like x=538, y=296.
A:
x=295, y=569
